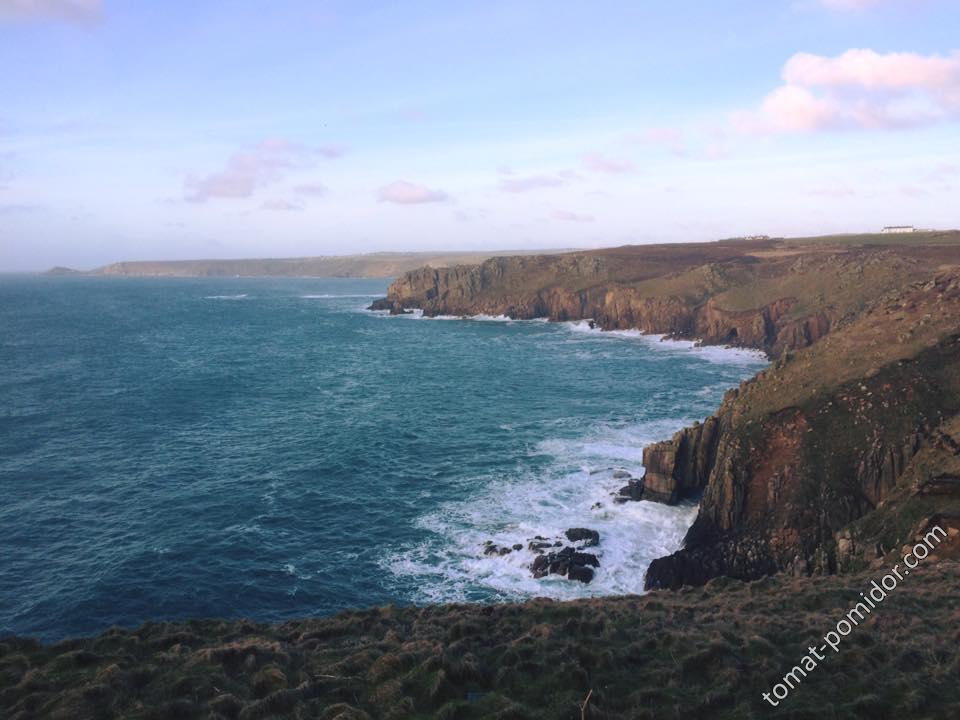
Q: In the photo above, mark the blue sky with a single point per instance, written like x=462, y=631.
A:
x=135, y=130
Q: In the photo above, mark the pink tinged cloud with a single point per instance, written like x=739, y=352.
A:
x=248, y=170
x=567, y=216
x=71, y=11
x=598, y=163
x=280, y=205
x=531, y=182
x=312, y=189
x=849, y=4
x=871, y=70
x=860, y=89
x=402, y=192
x=668, y=137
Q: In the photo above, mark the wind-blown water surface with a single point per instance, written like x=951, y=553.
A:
x=268, y=449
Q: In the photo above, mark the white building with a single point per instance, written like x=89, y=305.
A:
x=897, y=229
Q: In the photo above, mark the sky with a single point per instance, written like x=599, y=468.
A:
x=146, y=130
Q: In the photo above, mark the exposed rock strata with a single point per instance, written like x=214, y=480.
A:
x=817, y=445
x=793, y=474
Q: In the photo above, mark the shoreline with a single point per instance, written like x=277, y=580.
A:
x=606, y=492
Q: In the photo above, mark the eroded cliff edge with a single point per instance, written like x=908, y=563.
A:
x=825, y=462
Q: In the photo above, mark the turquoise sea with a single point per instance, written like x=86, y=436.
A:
x=266, y=448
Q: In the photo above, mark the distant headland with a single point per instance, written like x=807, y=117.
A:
x=370, y=265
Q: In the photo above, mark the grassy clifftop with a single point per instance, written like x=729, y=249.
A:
x=698, y=653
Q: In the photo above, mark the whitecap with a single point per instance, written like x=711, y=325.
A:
x=576, y=490
x=331, y=296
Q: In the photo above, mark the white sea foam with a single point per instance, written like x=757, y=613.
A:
x=242, y=296
x=712, y=353
x=417, y=314
x=331, y=296
x=576, y=491
x=723, y=354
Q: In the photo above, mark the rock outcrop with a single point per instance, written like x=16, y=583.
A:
x=678, y=468
x=805, y=470
x=828, y=437
x=719, y=293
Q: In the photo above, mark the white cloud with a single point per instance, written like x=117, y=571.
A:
x=76, y=11
x=859, y=89
x=601, y=164
x=250, y=169
x=280, y=205
x=850, y=4
x=531, y=182
x=312, y=189
x=668, y=137
x=568, y=216
x=402, y=192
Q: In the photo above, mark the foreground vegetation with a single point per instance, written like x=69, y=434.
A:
x=707, y=652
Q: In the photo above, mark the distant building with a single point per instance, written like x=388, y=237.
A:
x=755, y=237
x=897, y=229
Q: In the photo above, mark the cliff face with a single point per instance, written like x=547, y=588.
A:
x=796, y=461
x=617, y=293
x=678, y=468
x=802, y=457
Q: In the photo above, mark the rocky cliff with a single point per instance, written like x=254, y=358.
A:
x=632, y=289
x=800, y=464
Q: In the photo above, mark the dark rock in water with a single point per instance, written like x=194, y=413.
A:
x=590, y=537
x=541, y=566
x=622, y=475
x=574, y=565
x=581, y=573
x=381, y=304
x=491, y=548
x=584, y=559
x=596, y=506
x=537, y=545
x=393, y=306
x=633, y=490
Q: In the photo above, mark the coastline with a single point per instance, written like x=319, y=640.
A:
x=605, y=498
x=837, y=434
x=858, y=421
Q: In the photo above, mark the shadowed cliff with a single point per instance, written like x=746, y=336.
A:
x=824, y=462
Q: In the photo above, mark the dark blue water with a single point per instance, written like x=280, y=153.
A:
x=268, y=449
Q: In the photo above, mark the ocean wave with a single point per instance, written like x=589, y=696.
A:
x=713, y=353
x=721, y=354
x=417, y=314
x=241, y=296
x=576, y=490
x=332, y=296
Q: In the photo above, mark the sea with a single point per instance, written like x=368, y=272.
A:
x=270, y=449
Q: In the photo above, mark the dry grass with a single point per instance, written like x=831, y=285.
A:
x=707, y=652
